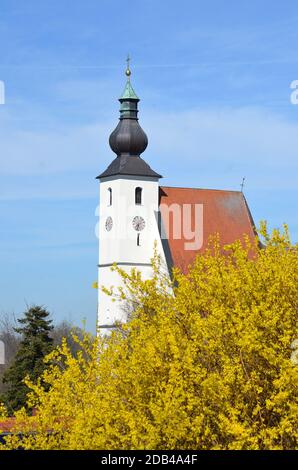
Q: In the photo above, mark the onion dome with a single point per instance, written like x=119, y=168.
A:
x=128, y=140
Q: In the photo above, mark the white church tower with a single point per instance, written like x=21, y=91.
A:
x=129, y=210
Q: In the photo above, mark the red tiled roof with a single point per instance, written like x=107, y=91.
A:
x=222, y=212
x=7, y=425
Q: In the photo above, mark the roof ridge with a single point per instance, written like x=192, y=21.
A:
x=203, y=189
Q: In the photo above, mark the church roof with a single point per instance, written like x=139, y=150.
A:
x=128, y=165
x=223, y=212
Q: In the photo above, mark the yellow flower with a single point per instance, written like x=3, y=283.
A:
x=203, y=363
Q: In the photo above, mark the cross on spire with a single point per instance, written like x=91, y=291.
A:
x=127, y=71
x=242, y=184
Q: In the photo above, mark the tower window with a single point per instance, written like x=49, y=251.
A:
x=110, y=199
x=138, y=240
x=138, y=195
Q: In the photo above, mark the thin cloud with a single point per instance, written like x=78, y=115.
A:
x=221, y=145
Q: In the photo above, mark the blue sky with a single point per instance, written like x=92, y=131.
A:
x=214, y=81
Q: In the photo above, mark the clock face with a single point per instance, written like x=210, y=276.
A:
x=138, y=223
x=109, y=224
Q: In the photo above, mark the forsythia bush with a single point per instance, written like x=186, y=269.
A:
x=206, y=362
x=3, y=412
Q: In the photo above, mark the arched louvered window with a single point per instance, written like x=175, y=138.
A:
x=138, y=195
x=110, y=198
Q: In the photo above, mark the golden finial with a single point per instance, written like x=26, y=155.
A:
x=127, y=71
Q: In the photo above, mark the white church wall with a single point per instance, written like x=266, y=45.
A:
x=119, y=244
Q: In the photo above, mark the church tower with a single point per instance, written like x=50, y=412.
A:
x=129, y=205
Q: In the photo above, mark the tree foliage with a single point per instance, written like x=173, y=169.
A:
x=205, y=361
x=11, y=340
x=35, y=328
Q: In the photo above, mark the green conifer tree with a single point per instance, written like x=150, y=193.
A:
x=35, y=344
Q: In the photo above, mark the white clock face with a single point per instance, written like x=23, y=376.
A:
x=109, y=224
x=138, y=223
